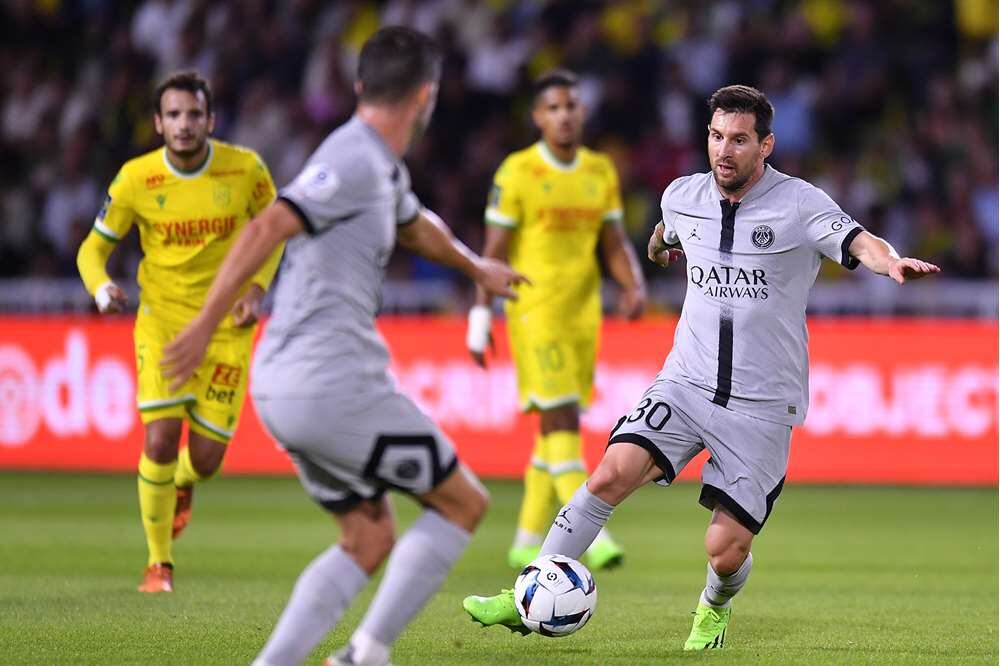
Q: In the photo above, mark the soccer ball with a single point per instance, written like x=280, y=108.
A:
x=555, y=595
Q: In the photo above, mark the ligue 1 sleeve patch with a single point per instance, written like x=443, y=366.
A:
x=317, y=182
x=101, y=214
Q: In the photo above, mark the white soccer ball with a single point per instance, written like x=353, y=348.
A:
x=555, y=595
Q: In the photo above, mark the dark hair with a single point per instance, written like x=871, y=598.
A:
x=554, y=78
x=744, y=99
x=394, y=61
x=190, y=81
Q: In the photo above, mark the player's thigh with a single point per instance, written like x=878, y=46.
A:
x=221, y=386
x=664, y=423
x=746, y=471
x=460, y=498
x=154, y=398
x=369, y=443
x=547, y=364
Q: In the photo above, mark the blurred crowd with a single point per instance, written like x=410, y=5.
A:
x=890, y=105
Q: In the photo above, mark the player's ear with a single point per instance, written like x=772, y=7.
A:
x=767, y=146
x=158, y=123
x=359, y=88
x=211, y=123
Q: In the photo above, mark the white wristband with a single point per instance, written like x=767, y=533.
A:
x=477, y=336
x=103, y=297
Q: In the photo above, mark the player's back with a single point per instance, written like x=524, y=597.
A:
x=556, y=212
x=350, y=196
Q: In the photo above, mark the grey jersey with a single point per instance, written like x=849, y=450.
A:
x=742, y=338
x=350, y=196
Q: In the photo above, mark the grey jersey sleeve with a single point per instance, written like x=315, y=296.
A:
x=407, y=204
x=829, y=229
x=318, y=197
x=667, y=215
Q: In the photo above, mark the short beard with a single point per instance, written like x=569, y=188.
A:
x=188, y=153
x=735, y=187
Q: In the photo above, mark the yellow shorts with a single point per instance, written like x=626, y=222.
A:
x=555, y=367
x=212, y=399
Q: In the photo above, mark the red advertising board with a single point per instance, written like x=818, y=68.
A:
x=892, y=401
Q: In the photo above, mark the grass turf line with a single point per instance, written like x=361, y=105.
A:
x=841, y=575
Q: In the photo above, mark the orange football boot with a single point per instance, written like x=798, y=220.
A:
x=182, y=513
x=158, y=577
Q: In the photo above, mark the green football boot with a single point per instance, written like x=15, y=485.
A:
x=709, y=628
x=498, y=609
x=604, y=554
x=519, y=557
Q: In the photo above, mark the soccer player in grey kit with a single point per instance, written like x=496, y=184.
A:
x=320, y=378
x=736, y=379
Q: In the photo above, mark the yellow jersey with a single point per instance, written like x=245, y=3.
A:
x=555, y=212
x=187, y=223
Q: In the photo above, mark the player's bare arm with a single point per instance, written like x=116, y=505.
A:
x=259, y=238
x=659, y=252
x=429, y=237
x=879, y=257
x=479, y=335
x=624, y=268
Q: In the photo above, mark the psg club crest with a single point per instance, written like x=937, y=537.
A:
x=762, y=236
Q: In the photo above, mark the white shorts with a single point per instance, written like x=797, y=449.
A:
x=749, y=456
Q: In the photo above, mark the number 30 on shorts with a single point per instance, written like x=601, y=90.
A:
x=656, y=414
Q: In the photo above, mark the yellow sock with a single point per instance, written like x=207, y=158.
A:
x=536, y=505
x=186, y=475
x=565, y=456
x=157, y=499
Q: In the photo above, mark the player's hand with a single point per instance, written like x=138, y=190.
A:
x=246, y=309
x=110, y=298
x=659, y=252
x=907, y=268
x=633, y=303
x=185, y=353
x=497, y=278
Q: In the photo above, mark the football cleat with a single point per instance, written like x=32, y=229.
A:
x=158, y=577
x=709, y=628
x=498, y=609
x=519, y=557
x=604, y=554
x=182, y=513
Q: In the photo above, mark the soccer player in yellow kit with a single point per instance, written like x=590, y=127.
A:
x=189, y=200
x=550, y=206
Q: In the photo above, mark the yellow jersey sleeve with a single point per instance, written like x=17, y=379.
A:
x=613, y=210
x=504, y=207
x=118, y=212
x=262, y=194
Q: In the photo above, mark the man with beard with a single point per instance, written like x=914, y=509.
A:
x=736, y=379
x=321, y=382
x=550, y=206
x=189, y=200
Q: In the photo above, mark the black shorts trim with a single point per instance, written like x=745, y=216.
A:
x=303, y=218
x=848, y=260
x=349, y=503
x=654, y=452
x=711, y=496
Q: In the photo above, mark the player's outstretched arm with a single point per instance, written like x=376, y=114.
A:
x=256, y=242
x=880, y=257
x=659, y=252
x=624, y=268
x=429, y=237
x=479, y=333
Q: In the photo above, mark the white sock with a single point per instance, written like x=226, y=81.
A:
x=322, y=593
x=720, y=590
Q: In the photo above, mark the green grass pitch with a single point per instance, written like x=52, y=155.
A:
x=842, y=575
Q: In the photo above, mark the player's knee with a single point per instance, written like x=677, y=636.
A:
x=607, y=483
x=162, y=444
x=206, y=462
x=369, y=547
